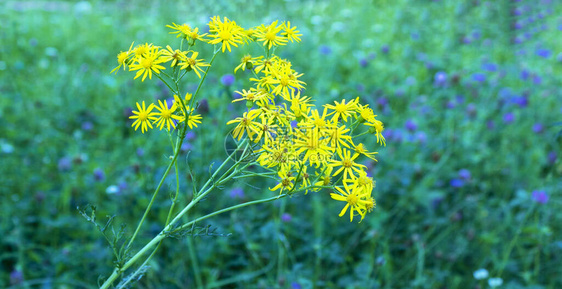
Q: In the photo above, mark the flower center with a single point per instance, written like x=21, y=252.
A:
x=143, y=115
x=225, y=35
x=166, y=114
x=146, y=63
x=347, y=163
x=340, y=108
x=352, y=199
x=270, y=36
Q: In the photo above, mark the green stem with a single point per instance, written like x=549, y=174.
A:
x=189, y=224
x=194, y=263
x=280, y=258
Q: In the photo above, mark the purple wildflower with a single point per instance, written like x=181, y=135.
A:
x=140, y=152
x=99, y=175
x=457, y=183
x=227, y=79
x=186, y=147
x=489, y=67
x=65, y=164
x=544, y=53
x=540, y=197
x=508, y=118
x=538, y=128
x=87, y=125
x=16, y=277
x=464, y=174
x=325, y=49
x=286, y=217
x=491, y=125
x=122, y=185
x=190, y=135
x=476, y=35
x=296, y=285
x=537, y=79
x=521, y=101
x=294, y=124
x=524, y=74
x=410, y=125
x=479, y=77
x=236, y=193
x=440, y=78
x=363, y=62
x=421, y=137
x=385, y=49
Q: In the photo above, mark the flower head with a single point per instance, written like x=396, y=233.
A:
x=225, y=32
x=166, y=115
x=143, y=117
x=147, y=63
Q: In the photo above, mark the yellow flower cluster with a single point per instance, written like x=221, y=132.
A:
x=307, y=148
x=165, y=115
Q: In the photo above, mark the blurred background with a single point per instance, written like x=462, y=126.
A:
x=468, y=187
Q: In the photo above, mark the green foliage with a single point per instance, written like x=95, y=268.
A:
x=63, y=116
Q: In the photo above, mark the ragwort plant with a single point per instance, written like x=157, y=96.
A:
x=282, y=133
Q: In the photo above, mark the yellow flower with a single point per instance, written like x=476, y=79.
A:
x=346, y=163
x=247, y=62
x=259, y=96
x=177, y=100
x=315, y=149
x=354, y=200
x=165, y=115
x=266, y=129
x=338, y=136
x=286, y=182
x=377, y=128
x=143, y=117
x=283, y=80
x=147, y=64
x=181, y=30
x=175, y=56
x=362, y=183
x=361, y=150
x=246, y=124
x=227, y=33
x=365, y=112
x=268, y=35
x=291, y=32
x=123, y=59
x=192, y=119
x=192, y=63
x=342, y=110
x=142, y=49
x=194, y=35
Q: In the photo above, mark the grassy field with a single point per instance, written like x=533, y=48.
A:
x=470, y=177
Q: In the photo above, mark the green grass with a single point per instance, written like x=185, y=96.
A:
x=424, y=233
